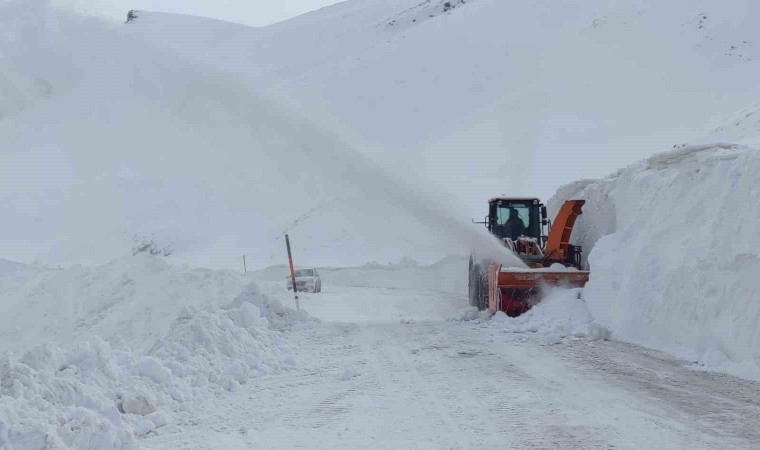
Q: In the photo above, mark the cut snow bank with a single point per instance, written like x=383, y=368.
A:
x=673, y=252
x=94, y=396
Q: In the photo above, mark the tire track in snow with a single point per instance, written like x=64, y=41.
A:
x=449, y=385
x=395, y=355
x=504, y=408
x=728, y=406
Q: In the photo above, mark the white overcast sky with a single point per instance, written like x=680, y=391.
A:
x=249, y=12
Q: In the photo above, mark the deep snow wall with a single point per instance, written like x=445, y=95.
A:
x=674, y=253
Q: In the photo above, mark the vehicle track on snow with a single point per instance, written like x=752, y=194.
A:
x=496, y=402
x=453, y=385
x=727, y=406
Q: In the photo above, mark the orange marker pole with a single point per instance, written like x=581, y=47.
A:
x=292, y=271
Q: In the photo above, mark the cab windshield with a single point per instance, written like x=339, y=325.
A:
x=515, y=219
x=305, y=273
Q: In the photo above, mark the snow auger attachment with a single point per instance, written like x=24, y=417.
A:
x=551, y=260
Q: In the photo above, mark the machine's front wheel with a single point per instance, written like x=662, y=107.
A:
x=483, y=292
x=478, y=286
x=474, y=283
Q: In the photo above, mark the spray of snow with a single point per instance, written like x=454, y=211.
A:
x=562, y=313
x=190, y=161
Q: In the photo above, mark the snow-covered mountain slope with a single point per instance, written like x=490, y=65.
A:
x=157, y=132
x=674, y=260
x=492, y=96
x=137, y=148
x=741, y=128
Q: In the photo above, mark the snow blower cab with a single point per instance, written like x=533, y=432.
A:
x=550, y=260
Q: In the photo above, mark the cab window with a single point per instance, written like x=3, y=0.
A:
x=504, y=211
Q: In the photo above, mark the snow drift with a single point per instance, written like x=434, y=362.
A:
x=206, y=333
x=129, y=302
x=561, y=314
x=673, y=252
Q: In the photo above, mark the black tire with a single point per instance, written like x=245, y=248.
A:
x=319, y=287
x=483, y=293
x=474, y=283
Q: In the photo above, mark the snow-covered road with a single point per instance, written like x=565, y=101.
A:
x=386, y=370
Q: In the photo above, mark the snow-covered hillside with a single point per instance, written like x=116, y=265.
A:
x=673, y=253
x=146, y=150
x=740, y=128
x=488, y=96
x=172, y=130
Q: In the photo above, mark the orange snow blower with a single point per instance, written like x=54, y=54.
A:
x=551, y=260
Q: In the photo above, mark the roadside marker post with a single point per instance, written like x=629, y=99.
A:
x=292, y=272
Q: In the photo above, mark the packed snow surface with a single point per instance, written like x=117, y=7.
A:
x=384, y=369
x=673, y=253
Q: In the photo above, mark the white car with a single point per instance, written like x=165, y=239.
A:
x=307, y=280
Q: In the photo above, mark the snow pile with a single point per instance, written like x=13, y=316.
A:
x=561, y=313
x=467, y=314
x=129, y=302
x=10, y=268
x=94, y=396
x=674, y=259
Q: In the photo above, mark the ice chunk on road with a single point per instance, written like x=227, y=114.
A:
x=467, y=314
x=152, y=368
x=141, y=403
x=349, y=374
x=150, y=423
